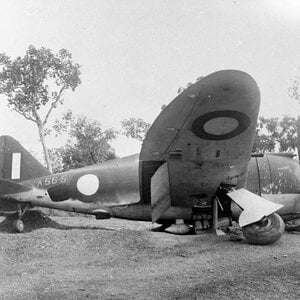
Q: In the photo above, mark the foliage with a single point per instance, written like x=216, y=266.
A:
x=294, y=89
x=34, y=84
x=135, y=128
x=88, y=143
x=273, y=133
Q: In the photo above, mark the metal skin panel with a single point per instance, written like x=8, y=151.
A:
x=290, y=202
x=273, y=174
x=277, y=177
x=206, y=136
x=111, y=183
x=285, y=175
x=142, y=212
x=264, y=172
x=285, y=185
x=253, y=180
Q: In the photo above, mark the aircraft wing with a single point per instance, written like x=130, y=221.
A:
x=205, y=135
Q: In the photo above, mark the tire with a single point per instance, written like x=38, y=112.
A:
x=266, y=231
x=18, y=226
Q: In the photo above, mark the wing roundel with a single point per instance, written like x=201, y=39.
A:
x=220, y=110
x=206, y=135
x=220, y=125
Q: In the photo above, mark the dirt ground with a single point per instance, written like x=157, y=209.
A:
x=83, y=258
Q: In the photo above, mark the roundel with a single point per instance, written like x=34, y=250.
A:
x=88, y=184
x=220, y=125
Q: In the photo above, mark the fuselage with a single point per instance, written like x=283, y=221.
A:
x=123, y=186
x=276, y=177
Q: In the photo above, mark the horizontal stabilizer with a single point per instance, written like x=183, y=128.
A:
x=20, y=192
x=254, y=207
x=10, y=187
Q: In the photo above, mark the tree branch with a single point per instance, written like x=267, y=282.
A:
x=24, y=115
x=53, y=104
x=37, y=117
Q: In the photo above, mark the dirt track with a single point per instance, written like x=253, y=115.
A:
x=118, y=259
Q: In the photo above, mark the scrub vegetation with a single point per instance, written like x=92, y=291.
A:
x=275, y=134
x=87, y=143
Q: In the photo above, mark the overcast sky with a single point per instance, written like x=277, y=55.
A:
x=136, y=53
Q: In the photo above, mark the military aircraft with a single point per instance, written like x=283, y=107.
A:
x=194, y=170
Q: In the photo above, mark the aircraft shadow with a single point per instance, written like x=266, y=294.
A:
x=36, y=219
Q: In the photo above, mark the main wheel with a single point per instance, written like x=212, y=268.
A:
x=18, y=226
x=266, y=231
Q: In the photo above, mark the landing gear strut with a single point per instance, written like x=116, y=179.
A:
x=18, y=225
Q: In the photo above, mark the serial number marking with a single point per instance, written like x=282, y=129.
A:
x=52, y=180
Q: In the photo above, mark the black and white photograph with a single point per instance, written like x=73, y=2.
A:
x=150, y=149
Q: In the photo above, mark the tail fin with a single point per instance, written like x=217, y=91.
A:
x=16, y=163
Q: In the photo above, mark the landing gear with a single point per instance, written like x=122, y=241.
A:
x=260, y=224
x=266, y=231
x=18, y=225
